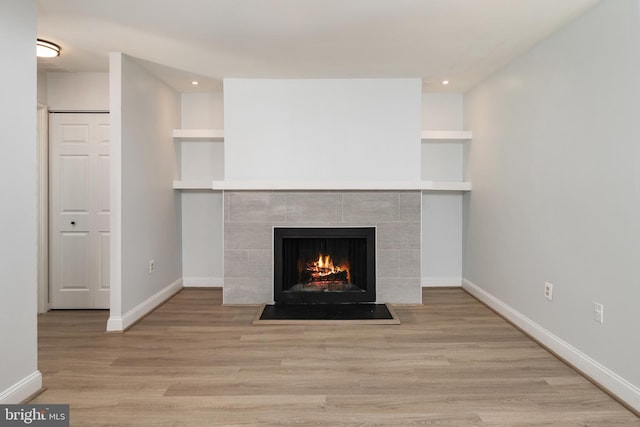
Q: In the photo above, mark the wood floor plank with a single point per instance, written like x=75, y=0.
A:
x=195, y=362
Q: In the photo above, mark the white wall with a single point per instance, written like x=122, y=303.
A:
x=42, y=87
x=77, y=91
x=202, y=110
x=442, y=211
x=145, y=221
x=322, y=130
x=202, y=160
x=442, y=111
x=555, y=166
x=202, y=257
x=19, y=375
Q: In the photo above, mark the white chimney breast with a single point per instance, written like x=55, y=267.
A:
x=322, y=130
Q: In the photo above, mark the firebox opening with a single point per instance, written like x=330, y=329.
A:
x=324, y=265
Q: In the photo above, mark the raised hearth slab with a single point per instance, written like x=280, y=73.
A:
x=326, y=314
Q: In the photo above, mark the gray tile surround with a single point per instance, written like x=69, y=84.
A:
x=249, y=218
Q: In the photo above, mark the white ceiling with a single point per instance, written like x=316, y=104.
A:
x=463, y=41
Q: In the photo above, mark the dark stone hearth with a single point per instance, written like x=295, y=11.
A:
x=325, y=312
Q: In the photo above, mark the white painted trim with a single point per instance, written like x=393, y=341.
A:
x=115, y=190
x=339, y=185
x=121, y=323
x=440, y=282
x=43, y=209
x=613, y=383
x=421, y=244
x=202, y=282
x=22, y=390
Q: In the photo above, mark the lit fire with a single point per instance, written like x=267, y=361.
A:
x=323, y=271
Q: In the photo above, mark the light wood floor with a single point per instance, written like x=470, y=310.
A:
x=194, y=362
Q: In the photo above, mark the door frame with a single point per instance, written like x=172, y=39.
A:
x=43, y=208
x=51, y=216
x=43, y=203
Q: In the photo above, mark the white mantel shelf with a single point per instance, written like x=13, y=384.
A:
x=321, y=186
x=426, y=135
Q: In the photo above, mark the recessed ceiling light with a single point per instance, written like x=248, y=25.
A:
x=445, y=82
x=46, y=49
x=195, y=83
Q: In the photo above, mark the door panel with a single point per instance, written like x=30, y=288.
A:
x=73, y=183
x=102, y=193
x=79, y=210
x=75, y=265
x=102, y=124
x=101, y=297
x=74, y=133
x=75, y=276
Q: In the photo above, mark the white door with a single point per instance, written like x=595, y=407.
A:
x=79, y=210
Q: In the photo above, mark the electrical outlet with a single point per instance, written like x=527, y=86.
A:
x=598, y=312
x=152, y=266
x=548, y=291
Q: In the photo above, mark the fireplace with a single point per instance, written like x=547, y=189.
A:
x=251, y=216
x=324, y=265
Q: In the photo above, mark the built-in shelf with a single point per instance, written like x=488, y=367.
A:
x=192, y=185
x=446, y=135
x=218, y=135
x=182, y=137
x=449, y=186
x=199, y=134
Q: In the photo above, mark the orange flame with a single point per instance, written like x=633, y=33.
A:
x=324, y=267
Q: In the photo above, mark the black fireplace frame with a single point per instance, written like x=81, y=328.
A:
x=281, y=296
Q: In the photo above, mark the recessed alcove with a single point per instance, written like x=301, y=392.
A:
x=205, y=249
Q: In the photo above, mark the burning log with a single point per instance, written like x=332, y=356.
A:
x=324, y=272
x=338, y=276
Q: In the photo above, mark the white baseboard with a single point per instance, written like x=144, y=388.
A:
x=121, y=323
x=22, y=390
x=440, y=282
x=613, y=383
x=202, y=282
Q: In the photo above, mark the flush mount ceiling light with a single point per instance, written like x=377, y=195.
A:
x=46, y=49
x=445, y=82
